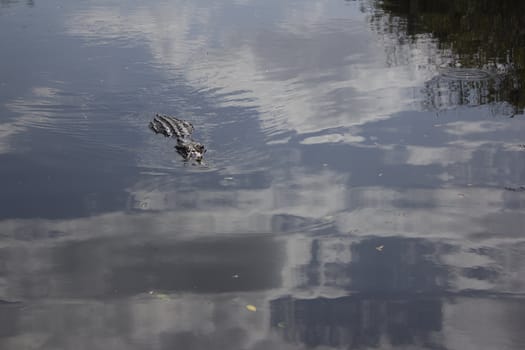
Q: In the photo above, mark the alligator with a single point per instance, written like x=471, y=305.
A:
x=182, y=130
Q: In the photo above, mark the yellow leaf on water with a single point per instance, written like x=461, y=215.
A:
x=162, y=296
x=251, y=308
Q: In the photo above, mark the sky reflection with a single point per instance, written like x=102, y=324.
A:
x=293, y=69
x=352, y=193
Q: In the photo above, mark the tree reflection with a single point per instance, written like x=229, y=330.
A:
x=479, y=34
x=357, y=322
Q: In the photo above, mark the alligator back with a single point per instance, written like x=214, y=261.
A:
x=171, y=126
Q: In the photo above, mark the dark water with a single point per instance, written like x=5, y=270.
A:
x=362, y=186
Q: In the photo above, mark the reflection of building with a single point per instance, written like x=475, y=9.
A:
x=392, y=282
x=405, y=265
x=126, y=266
x=356, y=321
x=198, y=266
x=9, y=313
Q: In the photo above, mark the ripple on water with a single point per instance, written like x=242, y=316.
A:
x=464, y=74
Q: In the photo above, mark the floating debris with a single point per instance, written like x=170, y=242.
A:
x=161, y=296
x=380, y=248
x=515, y=189
x=251, y=308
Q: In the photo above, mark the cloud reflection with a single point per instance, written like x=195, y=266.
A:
x=285, y=73
x=30, y=110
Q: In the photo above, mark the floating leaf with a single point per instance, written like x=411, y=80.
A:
x=162, y=296
x=380, y=248
x=251, y=308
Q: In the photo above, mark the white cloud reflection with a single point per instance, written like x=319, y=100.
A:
x=32, y=111
x=45, y=108
x=317, y=84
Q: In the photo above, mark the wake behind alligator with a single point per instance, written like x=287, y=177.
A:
x=182, y=130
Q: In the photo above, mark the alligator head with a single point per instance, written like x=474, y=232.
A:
x=191, y=150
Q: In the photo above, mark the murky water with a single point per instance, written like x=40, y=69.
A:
x=363, y=185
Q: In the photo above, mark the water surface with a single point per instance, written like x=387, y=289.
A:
x=362, y=186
